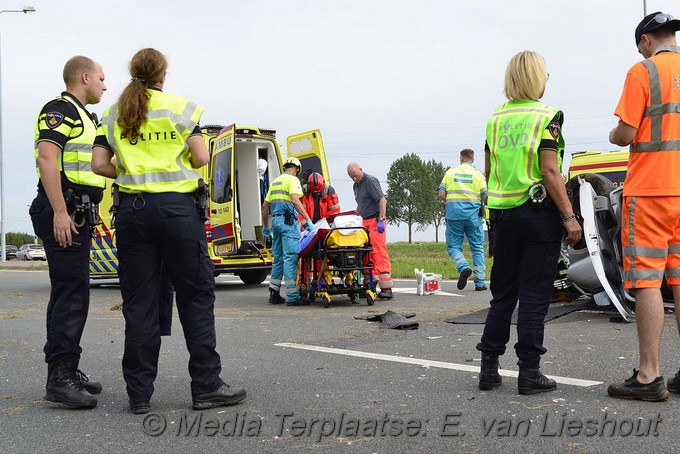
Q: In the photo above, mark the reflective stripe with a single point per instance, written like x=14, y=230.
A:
x=631, y=237
x=673, y=272
x=506, y=195
x=523, y=110
x=643, y=275
x=158, y=177
x=530, y=159
x=654, y=97
x=661, y=145
x=645, y=251
x=674, y=248
x=77, y=166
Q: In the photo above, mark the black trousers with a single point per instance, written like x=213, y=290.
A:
x=163, y=233
x=70, y=284
x=527, y=245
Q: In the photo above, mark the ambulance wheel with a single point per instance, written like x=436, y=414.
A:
x=601, y=184
x=253, y=277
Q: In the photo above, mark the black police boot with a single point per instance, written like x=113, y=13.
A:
x=531, y=380
x=64, y=386
x=489, y=377
x=92, y=387
x=275, y=297
x=223, y=396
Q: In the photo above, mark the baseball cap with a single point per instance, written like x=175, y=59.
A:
x=655, y=21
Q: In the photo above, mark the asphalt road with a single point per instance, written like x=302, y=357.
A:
x=366, y=390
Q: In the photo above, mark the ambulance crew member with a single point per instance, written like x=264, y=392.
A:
x=320, y=199
x=283, y=198
x=650, y=234
x=157, y=143
x=64, y=134
x=463, y=188
x=371, y=205
x=528, y=210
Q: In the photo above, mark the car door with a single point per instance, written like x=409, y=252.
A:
x=222, y=208
x=308, y=148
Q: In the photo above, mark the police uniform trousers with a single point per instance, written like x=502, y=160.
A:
x=527, y=245
x=285, y=248
x=69, y=269
x=159, y=233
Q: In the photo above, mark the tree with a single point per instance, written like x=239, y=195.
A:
x=17, y=238
x=406, y=191
x=433, y=209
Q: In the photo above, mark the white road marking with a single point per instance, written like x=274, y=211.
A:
x=414, y=290
x=428, y=363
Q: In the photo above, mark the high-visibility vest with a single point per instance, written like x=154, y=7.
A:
x=279, y=193
x=76, y=157
x=328, y=203
x=464, y=183
x=514, y=136
x=654, y=157
x=159, y=159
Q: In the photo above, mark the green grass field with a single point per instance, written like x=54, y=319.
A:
x=432, y=257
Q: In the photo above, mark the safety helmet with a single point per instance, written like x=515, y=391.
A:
x=316, y=183
x=293, y=162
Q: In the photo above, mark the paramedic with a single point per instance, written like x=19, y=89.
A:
x=284, y=199
x=320, y=199
x=157, y=145
x=650, y=235
x=528, y=210
x=64, y=132
x=371, y=205
x=463, y=188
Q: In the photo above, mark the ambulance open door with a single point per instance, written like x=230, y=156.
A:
x=223, y=225
x=308, y=148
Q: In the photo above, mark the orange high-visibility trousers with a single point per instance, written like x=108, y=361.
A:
x=382, y=269
x=650, y=236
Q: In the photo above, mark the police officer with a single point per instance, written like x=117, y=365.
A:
x=157, y=144
x=284, y=199
x=64, y=134
x=528, y=209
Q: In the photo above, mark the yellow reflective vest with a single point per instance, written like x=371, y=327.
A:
x=159, y=159
x=76, y=157
x=514, y=135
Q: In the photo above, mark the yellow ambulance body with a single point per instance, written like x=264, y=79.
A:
x=244, y=161
x=611, y=164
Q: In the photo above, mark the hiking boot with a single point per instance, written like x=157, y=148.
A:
x=489, y=377
x=92, y=387
x=462, y=279
x=64, y=386
x=221, y=397
x=481, y=288
x=531, y=380
x=673, y=384
x=632, y=389
x=275, y=297
x=385, y=294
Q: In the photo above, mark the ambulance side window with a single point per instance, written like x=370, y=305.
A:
x=222, y=191
x=309, y=165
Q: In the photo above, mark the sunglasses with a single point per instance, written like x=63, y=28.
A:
x=660, y=19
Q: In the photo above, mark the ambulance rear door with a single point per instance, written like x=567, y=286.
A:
x=222, y=208
x=308, y=148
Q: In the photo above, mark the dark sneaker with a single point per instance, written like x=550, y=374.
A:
x=275, y=297
x=140, y=408
x=221, y=397
x=481, y=288
x=462, y=279
x=92, y=387
x=385, y=294
x=673, y=384
x=632, y=389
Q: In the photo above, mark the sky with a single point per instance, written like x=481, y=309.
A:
x=379, y=78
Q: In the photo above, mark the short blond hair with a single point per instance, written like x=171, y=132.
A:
x=75, y=67
x=525, y=77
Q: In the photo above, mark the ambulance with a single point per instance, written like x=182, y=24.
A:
x=244, y=161
x=611, y=164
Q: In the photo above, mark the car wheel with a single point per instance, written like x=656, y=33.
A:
x=253, y=277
